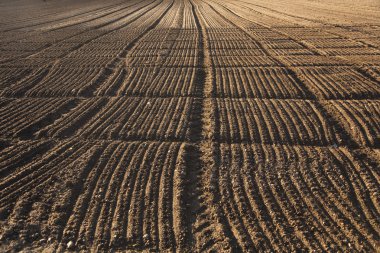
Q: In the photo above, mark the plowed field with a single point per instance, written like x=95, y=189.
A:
x=190, y=125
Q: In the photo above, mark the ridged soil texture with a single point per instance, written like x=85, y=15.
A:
x=189, y=126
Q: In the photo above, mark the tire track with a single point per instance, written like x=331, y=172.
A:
x=210, y=230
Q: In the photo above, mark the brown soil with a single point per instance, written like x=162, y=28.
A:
x=190, y=125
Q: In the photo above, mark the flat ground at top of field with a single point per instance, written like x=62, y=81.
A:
x=190, y=125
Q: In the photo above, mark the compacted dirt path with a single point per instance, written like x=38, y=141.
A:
x=190, y=125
